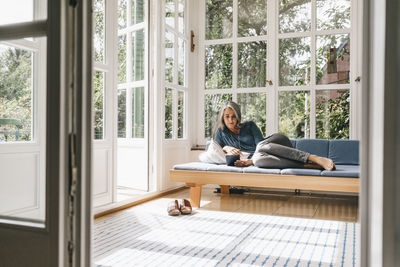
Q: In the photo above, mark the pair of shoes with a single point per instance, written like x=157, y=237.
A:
x=175, y=208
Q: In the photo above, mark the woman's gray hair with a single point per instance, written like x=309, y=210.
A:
x=220, y=121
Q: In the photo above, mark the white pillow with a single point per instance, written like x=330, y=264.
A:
x=214, y=154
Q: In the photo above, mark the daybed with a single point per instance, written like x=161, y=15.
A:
x=344, y=153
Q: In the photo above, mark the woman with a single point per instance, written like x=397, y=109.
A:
x=275, y=151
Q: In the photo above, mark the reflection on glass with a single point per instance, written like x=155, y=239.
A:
x=333, y=59
x=168, y=113
x=137, y=11
x=181, y=16
x=122, y=58
x=21, y=11
x=219, y=19
x=333, y=14
x=169, y=57
x=252, y=64
x=181, y=62
x=16, y=94
x=212, y=107
x=99, y=33
x=138, y=55
x=332, y=108
x=122, y=18
x=138, y=112
x=170, y=12
x=252, y=17
x=181, y=108
x=253, y=107
x=122, y=113
x=98, y=104
x=218, y=64
x=294, y=61
x=294, y=16
x=294, y=114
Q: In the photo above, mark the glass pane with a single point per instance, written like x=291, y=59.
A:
x=332, y=108
x=170, y=12
x=138, y=55
x=333, y=59
x=16, y=95
x=181, y=61
x=212, y=107
x=21, y=11
x=218, y=63
x=333, y=14
x=98, y=104
x=122, y=58
x=181, y=108
x=169, y=57
x=137, y=11
x=252, y=64
x=253, y=107
x=252, y=17
x=181, y=16
x=138, y=112
x=23, y=131
x=122, y=113
x=122, y=18
x=99, y=34
x=294, y=114
x=219, y=19
x=294, y=16
x=168, y=113
x=294, y=61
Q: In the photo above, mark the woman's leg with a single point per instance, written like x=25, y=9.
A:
x=265, y=160
x=280, y=146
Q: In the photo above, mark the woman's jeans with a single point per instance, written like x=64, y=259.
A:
x=276, y=151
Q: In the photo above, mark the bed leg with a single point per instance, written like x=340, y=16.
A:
x=224, y=189
x=195, y=194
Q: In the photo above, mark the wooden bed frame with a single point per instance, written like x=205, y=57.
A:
x=196, y=179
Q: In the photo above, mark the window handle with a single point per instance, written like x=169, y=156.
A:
x=358, y=79
x=269, y=82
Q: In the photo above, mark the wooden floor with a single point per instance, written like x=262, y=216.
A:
x=318, y=206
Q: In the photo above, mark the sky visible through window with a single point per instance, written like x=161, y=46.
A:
x=16, y=11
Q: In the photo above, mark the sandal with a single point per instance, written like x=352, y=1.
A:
x=185, y=207
x=173, y=208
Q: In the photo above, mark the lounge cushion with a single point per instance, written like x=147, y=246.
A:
x=193, y=166
x=314, y=146
x=254, y=169
x=307, y=172
x=224, y=168
x=343, y=171
x=345, y=152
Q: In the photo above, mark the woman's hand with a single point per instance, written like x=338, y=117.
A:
x=232, y=150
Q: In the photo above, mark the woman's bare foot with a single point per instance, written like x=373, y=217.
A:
x=325, y=163
x=243, y=162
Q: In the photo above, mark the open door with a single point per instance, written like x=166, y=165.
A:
x=45, y=136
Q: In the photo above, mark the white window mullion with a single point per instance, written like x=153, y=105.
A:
x=201, y=40
x=313, y=71
x=355, y=67
x=272, y=68
x=235, y=50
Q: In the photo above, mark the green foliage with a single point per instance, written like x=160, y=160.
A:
x=98, y=100
x=168, y=113
x=333, y=116
x=294, y=114
x=16, y=89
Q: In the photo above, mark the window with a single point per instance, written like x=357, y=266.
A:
x=175, y=68
x=132, y=65
x=18, y=89
x=286, y=63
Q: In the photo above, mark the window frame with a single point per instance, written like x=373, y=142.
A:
x=176, y=88
x=272, y=38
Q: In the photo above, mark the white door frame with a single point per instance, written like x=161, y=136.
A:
x=47, y=244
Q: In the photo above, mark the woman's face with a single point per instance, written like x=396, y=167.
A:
x=230, y=119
